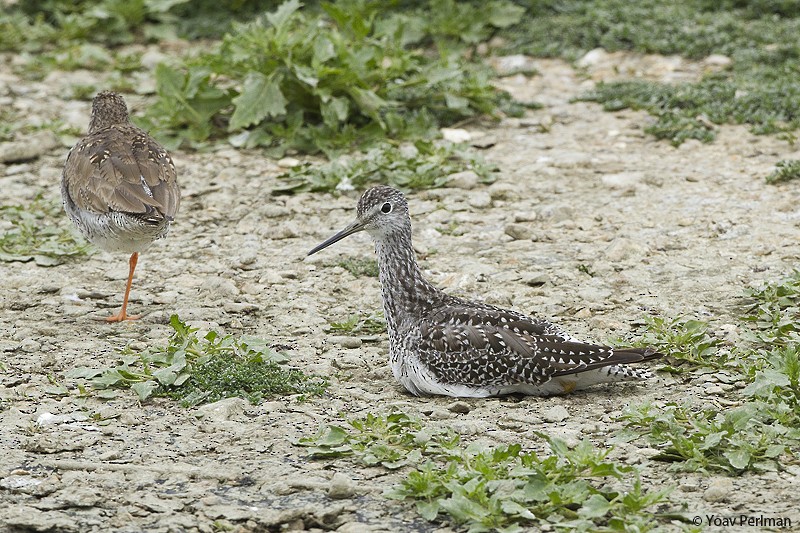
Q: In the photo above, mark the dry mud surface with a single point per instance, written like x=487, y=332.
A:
x=664, y=230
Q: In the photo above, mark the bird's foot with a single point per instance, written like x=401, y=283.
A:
x=119, y=317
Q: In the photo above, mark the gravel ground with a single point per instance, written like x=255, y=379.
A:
x=663, y=230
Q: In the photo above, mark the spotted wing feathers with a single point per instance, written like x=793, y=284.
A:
x=490, y=347
x=121, y=168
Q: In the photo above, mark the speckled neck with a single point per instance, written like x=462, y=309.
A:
x=406, y=293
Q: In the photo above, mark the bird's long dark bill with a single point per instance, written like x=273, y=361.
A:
x=355, y=227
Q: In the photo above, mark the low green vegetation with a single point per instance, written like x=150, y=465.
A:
x=682, y=340
x=785, y=170
x=39, y=231
x=419, y=165
x=502, y=488
x=371, y=324
x=760, y=87
x=762, y=430
x=36, y=25
x=344, y=77
x=360, y=266
x=197, y=370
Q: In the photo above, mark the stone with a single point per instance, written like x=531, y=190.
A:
x=341, y=487
x=556, y=413
x=536, y=279
x=622, y=180
x=456, y=135
x=33, y=147
x=223, y=409
x=480, y=199
x=459, y=407
x=466, y=179
x=345, y=341
x=718, y=489
x=519, y=232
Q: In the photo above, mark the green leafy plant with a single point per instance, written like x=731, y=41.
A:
x=757, y=87
x=371, y=324
x=359, y=266
x=682, y=339
x=421, y=165
x=502, y=488
x=785, y=170
x=748, y=437
x=507, y=489
x=38, y=231
x=392, y=441
x=298, y=79
x=203, y=370
x=763, y=430
x=773, y=311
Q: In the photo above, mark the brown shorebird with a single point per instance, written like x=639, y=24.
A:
x=119, y=186
x=441, y=344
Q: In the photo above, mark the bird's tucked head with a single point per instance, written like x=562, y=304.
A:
x=381, y=212
x=108, y=108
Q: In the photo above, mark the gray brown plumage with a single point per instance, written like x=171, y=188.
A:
x=119, y=186
x=441, y=344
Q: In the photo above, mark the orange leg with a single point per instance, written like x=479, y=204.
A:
x=122, y=315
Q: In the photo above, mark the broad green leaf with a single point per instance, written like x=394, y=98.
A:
x=428, y=510
x=261, y=97
x=283, y=14
x=738, y=459
x=594, y=507
x=503, y=13
x=144, y=389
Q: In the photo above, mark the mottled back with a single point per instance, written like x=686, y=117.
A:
x=119, y=168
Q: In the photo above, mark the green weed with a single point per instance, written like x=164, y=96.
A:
x=682, y=340
x=773, y=311
x=785, y=170
x=361, y=325
x=760, y=88
x=392, y=441
x=501, y=488
x=752, y=436
x=203, y=370
x=421, y=165
x=39, y=232
x=360, y=266
x=763, y=431
x=322, y=81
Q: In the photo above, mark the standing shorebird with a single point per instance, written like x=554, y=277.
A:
x=119, y=186
x=441, y=344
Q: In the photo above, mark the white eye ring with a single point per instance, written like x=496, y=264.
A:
x=386, y=208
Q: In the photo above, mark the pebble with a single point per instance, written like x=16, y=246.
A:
x=459, y=407
x=289, y=162
x=33, y=147
x=556, y=413
x=456, y=135
x=622, y=180
x=345, y=341
x=466, y=179
x=341, y=487
x=223, y=409
x=519, y=232
x=220, y=287
x=480, y=199
x=536, y=279
x=622, y=248
x=718, y=489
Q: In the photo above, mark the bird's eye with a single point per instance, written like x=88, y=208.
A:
x=386, y=208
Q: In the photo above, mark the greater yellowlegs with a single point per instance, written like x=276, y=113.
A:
x=441, y=344
x=119, y=186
